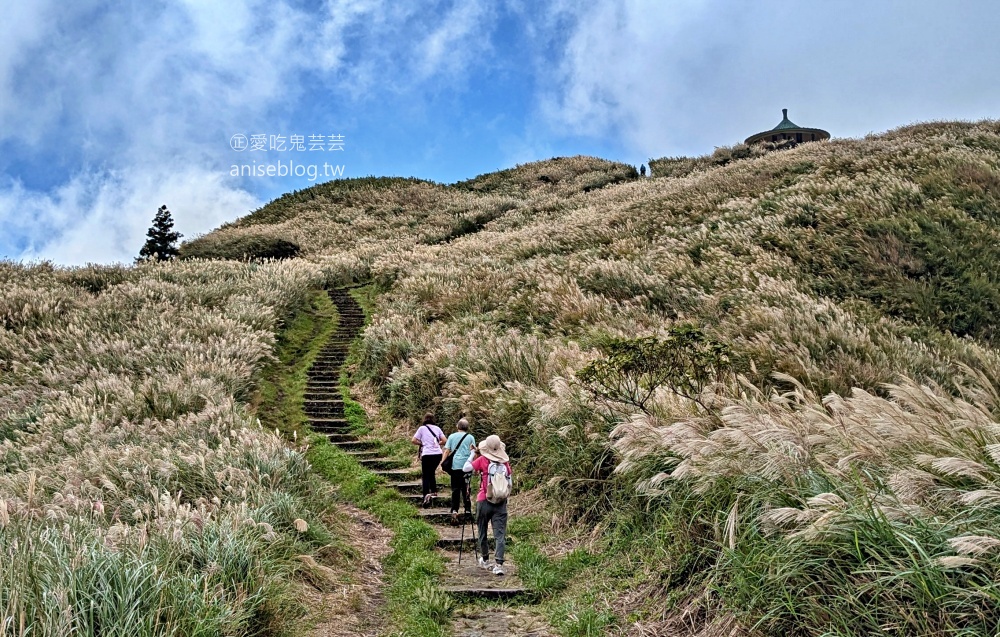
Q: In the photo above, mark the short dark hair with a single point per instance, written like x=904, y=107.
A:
x=428, y=419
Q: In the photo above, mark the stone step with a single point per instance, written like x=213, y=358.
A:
x=397, y=473
x=415, y=486
x=361, y=454
x=318, y=421
x=437, y=514
x=350, y=443
x=452, y=543
x=383, y=463
x=330, y=426
x=450, y=537
x=468, y=581
x=334, y=430
x=471, y=593
x=409, y=486
x=413, y=498
x=342, y=438
x=327, y=414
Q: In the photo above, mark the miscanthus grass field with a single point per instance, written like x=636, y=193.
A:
x=760, y=389
x=138, y=495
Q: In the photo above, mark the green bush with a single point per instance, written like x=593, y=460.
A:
x=239, y=248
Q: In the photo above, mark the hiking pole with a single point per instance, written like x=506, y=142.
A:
x=461, y=542
x=472, y=521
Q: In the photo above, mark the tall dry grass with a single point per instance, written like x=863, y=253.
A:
x=843, y=483
x=138, y=494
x=841, y=274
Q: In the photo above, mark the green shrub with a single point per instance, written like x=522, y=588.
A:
x=244, y=247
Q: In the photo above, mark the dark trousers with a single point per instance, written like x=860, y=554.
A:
x=460, y=490
x=495, y=515
x=428, y=467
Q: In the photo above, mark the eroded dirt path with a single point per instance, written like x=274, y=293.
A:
x=355, y=608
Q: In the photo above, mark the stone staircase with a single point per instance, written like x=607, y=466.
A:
x=325, y=408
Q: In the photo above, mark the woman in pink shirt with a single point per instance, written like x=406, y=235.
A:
x=429, y=438
x=490, y=451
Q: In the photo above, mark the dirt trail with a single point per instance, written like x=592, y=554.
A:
x=354, y=609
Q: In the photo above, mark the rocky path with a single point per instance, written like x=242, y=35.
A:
x=466, y=581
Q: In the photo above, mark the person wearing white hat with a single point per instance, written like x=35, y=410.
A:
x=490, y=460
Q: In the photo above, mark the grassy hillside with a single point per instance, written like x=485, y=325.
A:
x=820, y=454
x=138, y=493
x=838, y=477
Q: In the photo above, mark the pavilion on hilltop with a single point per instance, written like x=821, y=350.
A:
x=786, y=130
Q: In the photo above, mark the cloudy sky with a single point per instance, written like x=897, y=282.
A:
x=110, y=109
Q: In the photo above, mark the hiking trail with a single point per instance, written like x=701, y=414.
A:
x=466, y=583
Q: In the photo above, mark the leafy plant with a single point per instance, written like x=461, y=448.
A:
x=632, y=370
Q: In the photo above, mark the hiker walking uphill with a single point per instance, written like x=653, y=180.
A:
x=456, y=452
x=491, y=462
x=430, y=438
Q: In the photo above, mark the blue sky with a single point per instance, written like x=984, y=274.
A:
x=108, y=110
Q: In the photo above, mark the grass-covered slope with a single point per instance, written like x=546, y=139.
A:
x=821, y=454
x=801, y=493
x=384, y=215
x=138, y=493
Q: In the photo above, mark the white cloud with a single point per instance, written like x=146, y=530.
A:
x=136, y=107
x=457, y=39
x=104, y=217
x=147, y=99
x=680, y=77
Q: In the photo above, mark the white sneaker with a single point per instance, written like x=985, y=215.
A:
x=483, y=563
x=497, y=569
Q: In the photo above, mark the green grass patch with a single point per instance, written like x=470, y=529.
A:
x=279, y=397
x=542, y=574
x=571, y=613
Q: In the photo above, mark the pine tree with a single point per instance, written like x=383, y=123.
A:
x=161, y=244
